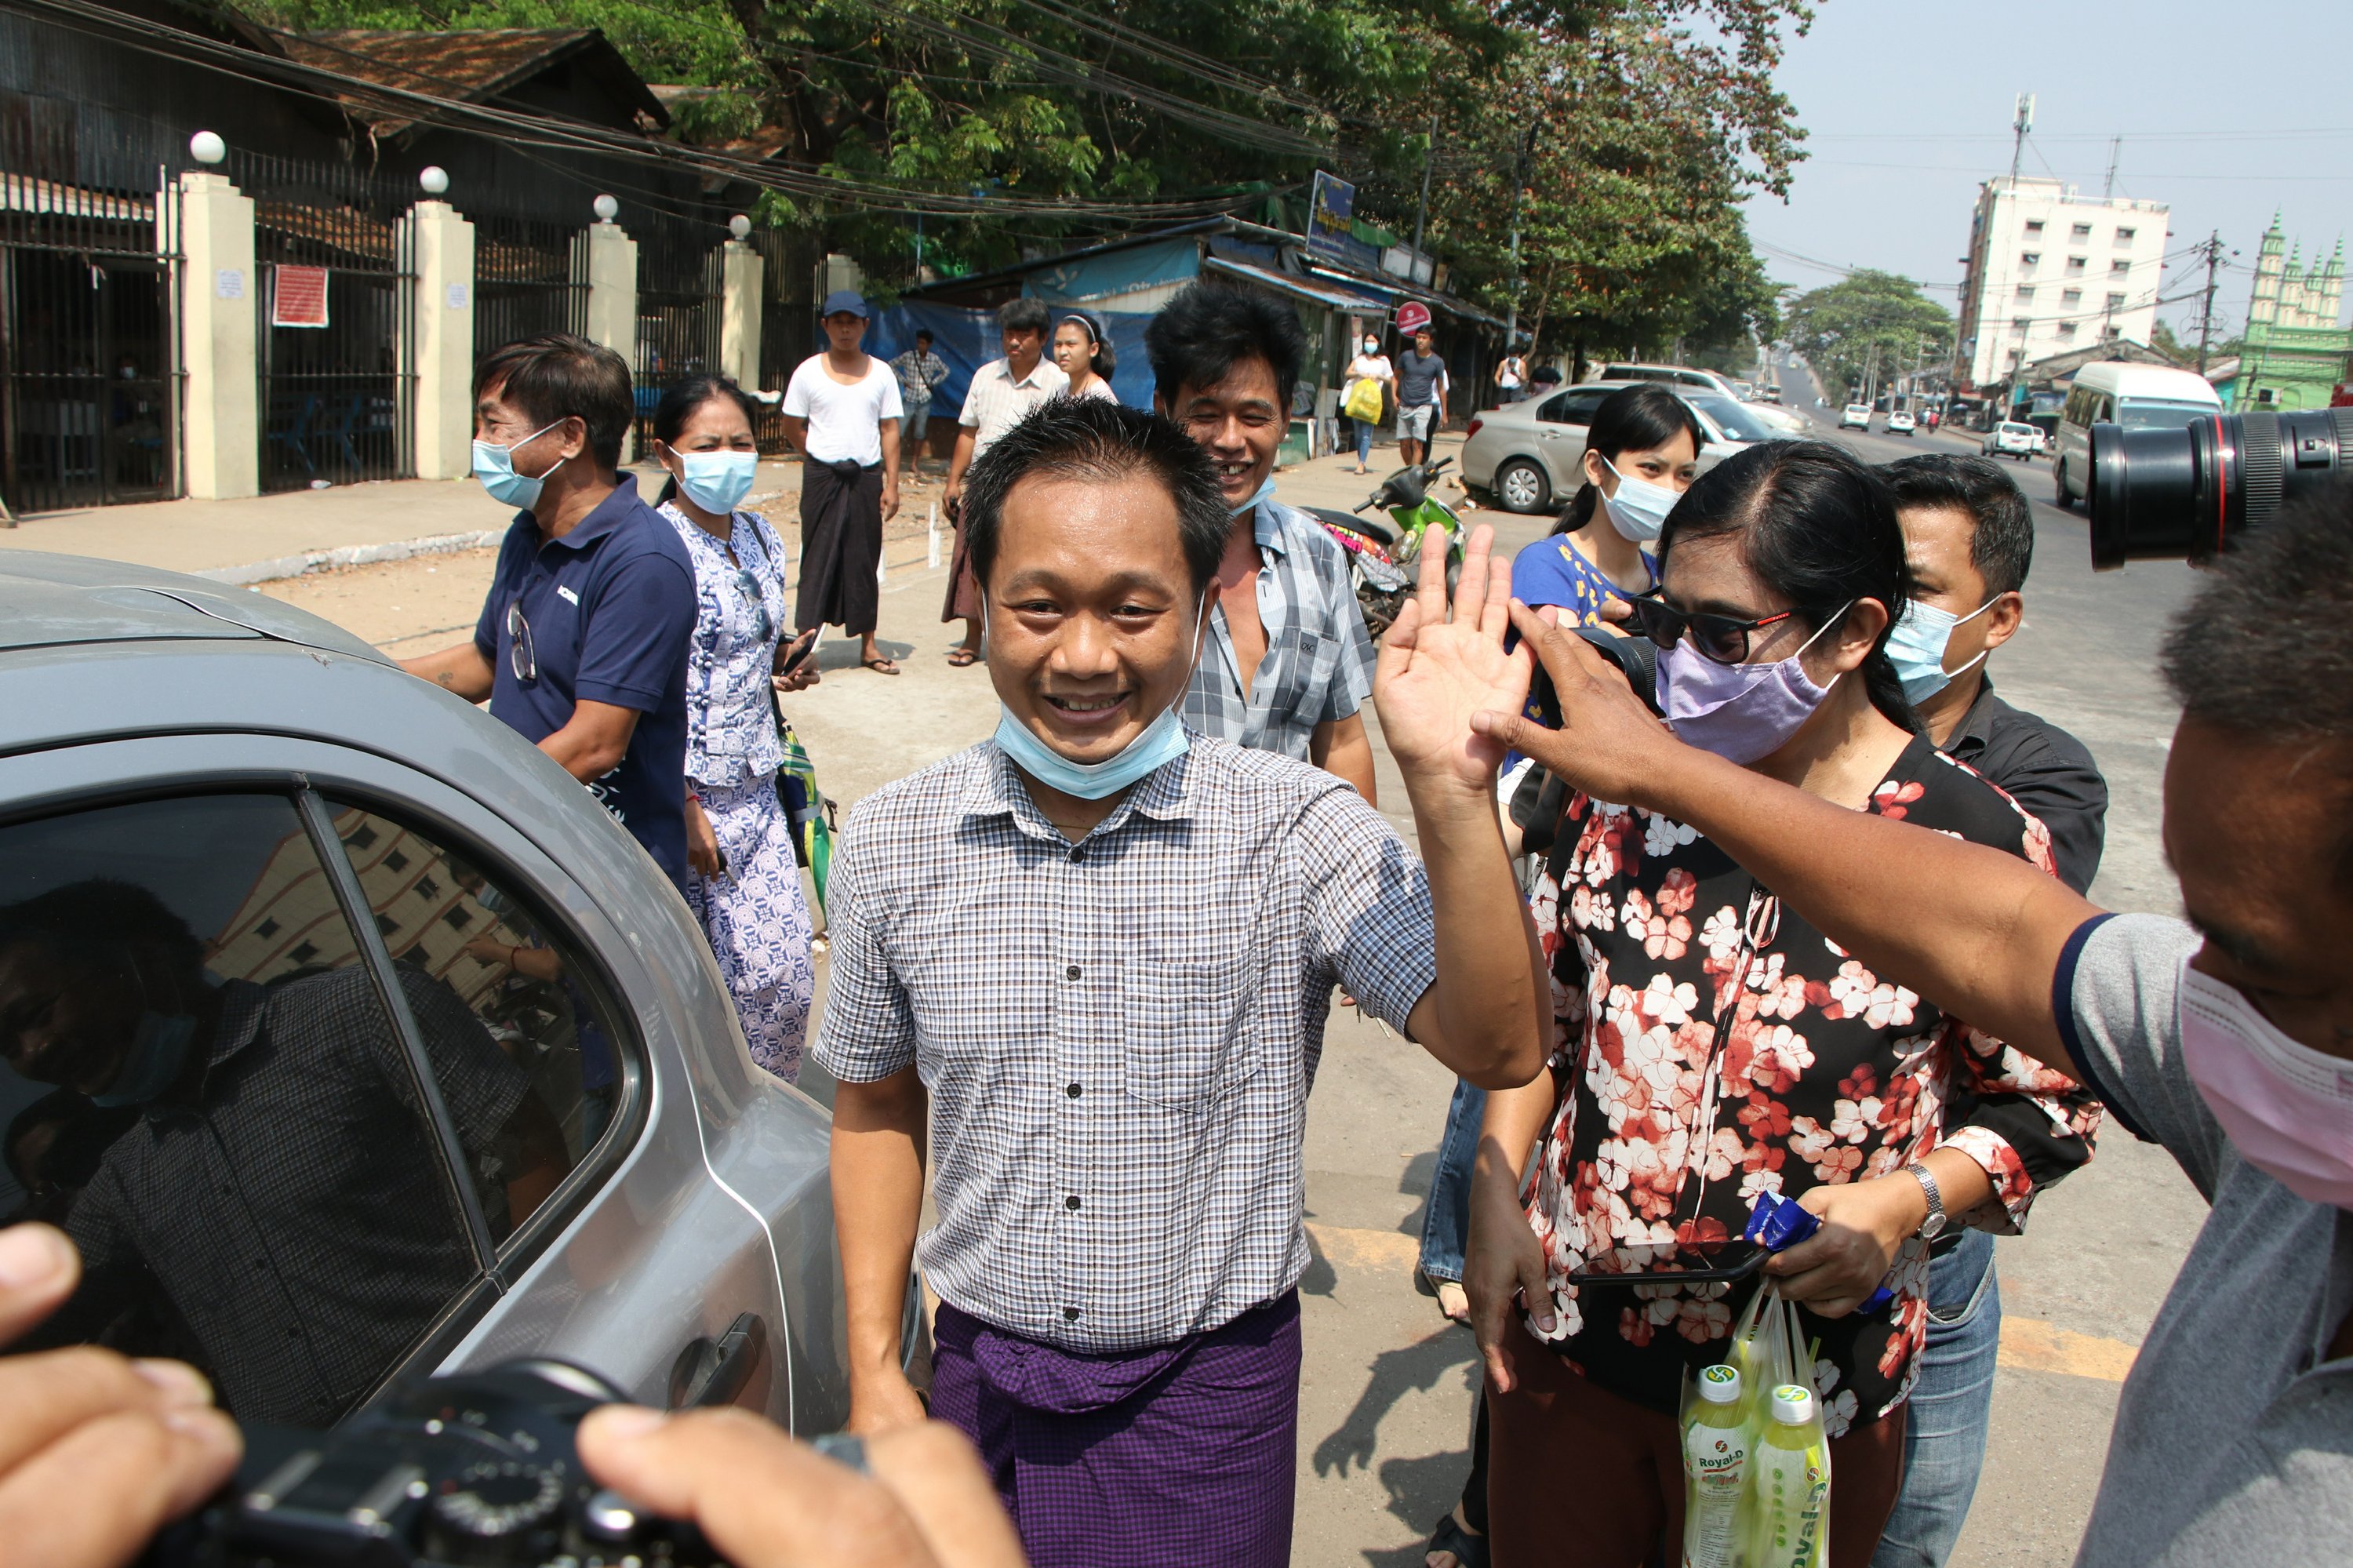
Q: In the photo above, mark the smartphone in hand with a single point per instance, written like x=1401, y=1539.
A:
x=796, y=652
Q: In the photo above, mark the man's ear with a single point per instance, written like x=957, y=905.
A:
x=2003, y=618
x=574, y=435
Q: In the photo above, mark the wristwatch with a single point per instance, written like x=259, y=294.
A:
x=1933, y=1226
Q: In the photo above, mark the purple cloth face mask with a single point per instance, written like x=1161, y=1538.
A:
x=1740, y=712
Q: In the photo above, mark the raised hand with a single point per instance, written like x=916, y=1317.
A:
x=1435, y=673
x=1608, y=745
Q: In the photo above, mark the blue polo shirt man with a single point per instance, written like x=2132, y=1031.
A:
x=582, y=643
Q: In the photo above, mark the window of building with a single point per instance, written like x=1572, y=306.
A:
x=2125, y=236
x=235, y=1137
x=2034, y=227
x=2021, y=322
x=2071, y=298
x=2115, y=302
x=2119, y=269
x=2066, y=329
x=2082, y=231
x=2025, y=295
x=2029, y=259
x=2074, y=264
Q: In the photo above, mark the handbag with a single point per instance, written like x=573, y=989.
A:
x=812, y=814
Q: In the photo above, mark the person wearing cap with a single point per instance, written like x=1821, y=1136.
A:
x=842, y=411
x=1082, y=351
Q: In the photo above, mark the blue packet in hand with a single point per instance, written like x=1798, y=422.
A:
x=1776, y=1222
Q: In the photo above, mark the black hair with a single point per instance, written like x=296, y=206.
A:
x=923, y=334
x=1094, y=438
x=1819, y=527
x=556, y=375
x=1642, y=416
x=1197, y=337
x=2265, y=644
x=677, y=406
x=101, y=913
x=1101, y=358
x=1025, y=314
x=2002, y=538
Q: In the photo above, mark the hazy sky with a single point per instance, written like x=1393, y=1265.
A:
x=2226, y=111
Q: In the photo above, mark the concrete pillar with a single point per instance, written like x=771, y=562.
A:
x=611, y=262
x=221, y=425
x=740, y=272
x=440, y=252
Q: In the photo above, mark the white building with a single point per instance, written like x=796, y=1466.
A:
x=2050, y=271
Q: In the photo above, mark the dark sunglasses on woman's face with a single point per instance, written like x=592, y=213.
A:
x=1718, y=636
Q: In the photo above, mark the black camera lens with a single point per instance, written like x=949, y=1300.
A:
x=2188, y=493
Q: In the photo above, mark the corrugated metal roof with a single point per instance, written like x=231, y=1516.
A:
x=1321, y=293
x=471, y=65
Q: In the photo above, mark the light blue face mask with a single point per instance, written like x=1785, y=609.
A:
x=1164, y=740
x=1265, y=491
x=158, y=1055
x=1916, y=649
x=718, y=481
x=1639, y=511
x=494, y=466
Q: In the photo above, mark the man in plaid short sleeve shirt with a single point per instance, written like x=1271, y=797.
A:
x=1099, y=951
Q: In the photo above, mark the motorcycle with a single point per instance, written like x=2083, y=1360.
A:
x=1383, y=563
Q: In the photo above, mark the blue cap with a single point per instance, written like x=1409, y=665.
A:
x=842, y=299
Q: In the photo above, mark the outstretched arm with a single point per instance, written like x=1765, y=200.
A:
x=1484, y=1016
x=1976, y=931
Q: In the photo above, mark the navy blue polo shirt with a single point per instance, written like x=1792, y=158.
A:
x=610, y=611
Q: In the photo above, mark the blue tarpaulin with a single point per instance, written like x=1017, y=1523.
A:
x=968, y=340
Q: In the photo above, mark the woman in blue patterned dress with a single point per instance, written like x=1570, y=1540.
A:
x=742, y=882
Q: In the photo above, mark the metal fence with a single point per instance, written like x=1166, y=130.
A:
x=679, y=286
x=531, y=276
x=90, y=384
x=337, y=399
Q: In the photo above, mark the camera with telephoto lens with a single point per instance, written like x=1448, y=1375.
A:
x=2192, y=492
x=476, y=1470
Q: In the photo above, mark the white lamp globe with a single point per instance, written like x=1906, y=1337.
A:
x=739, y=226
x=607, y=208
x=434, y=178
x=206, y=147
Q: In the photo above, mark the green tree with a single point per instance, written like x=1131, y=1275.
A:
x=1864, y=320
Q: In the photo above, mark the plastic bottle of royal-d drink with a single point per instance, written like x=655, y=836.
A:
x=1716, y=1471
x=1793, y=1484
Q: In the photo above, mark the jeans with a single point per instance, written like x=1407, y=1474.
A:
x=1446, y=1224
x=1944, y=1448
x=1364, y=441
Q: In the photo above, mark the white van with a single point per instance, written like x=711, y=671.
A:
x=2138, y=398
x=1673, y=375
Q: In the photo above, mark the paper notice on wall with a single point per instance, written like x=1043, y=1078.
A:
x=457, y=296
x=298, y=296
x=228, y=283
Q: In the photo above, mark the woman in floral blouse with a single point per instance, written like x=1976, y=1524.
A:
x=743, y=881
x=1712, y=1046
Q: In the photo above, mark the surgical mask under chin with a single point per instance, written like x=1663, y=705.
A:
x=717, y=481
x=494, y=466
x=1916, y=649
x=1740, y=712
x=2286, y=1107
x=1162, y=741
x=1639, y=511
x=158, y=1055
x=1265, y=491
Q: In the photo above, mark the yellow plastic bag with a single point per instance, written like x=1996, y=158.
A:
x=1363, y=401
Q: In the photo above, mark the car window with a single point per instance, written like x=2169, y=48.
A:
x=201, y=1083
x=1576, y=407
x=442, y=917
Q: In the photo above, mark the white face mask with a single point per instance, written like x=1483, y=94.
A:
x=1639, y=511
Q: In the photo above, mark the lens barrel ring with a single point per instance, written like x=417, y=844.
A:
x=2261, y=471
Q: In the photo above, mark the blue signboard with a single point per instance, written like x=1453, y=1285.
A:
x=1332, y=223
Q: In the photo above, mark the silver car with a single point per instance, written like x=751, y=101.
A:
x=349, y=1038
x=1530, y=455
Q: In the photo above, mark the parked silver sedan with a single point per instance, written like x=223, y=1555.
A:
x=1530, y=455
x=349, y=1038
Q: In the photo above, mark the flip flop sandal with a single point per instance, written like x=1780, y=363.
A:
x=1470, y=1551
x=963, y=658
x=881, y=666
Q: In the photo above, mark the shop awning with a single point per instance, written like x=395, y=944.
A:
x=1322, y=295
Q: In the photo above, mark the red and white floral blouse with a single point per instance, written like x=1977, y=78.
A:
x=1710, y=1045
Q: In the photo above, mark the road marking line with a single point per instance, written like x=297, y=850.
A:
x=2028, y=1344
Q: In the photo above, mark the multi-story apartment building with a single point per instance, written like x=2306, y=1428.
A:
x=2050, y=271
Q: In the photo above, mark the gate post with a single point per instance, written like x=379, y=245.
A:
x=222, y=443
x=611, y=264
x=441, y=256
x=740, y=268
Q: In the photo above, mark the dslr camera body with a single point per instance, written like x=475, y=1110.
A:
x=476, y=1470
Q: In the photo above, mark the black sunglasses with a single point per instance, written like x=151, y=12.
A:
x=1716, y=637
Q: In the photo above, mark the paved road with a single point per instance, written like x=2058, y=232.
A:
x=1383, y=1434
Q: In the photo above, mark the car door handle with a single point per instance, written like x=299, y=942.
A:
x=712, y=1372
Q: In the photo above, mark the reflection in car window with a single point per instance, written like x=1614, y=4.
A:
x=200, y=1083
x=441, y=916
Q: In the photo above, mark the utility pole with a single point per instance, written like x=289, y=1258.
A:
x=2020, y=122
x=2115, y=150
x=1422, y=214
x=2214, y=249
x=1519, y=189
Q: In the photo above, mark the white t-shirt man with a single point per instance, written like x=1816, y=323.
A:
x=845, y=419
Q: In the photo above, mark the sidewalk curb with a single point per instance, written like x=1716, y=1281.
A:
x=350, y=556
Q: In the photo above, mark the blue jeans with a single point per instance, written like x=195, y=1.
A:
x=1943, y=1445
x=1446, y=1224
x=1364, y=441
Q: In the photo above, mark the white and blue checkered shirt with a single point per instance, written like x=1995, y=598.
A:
x=1319, y=660
x=1119, y=1035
